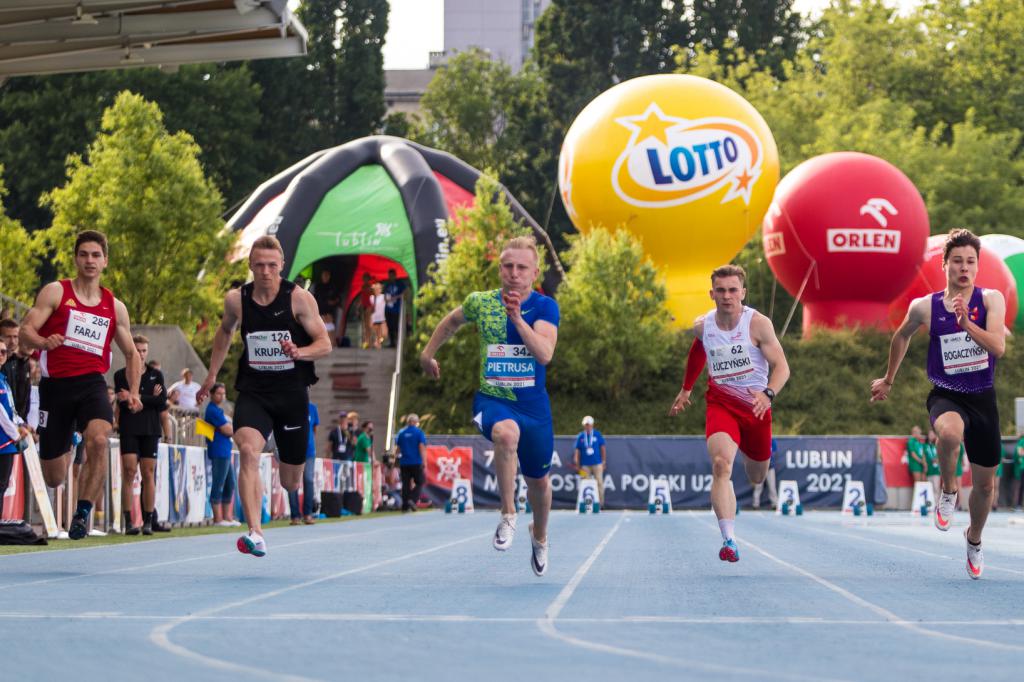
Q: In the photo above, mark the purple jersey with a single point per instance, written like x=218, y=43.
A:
x=955, y=361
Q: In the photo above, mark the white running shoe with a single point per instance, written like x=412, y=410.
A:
x=505, y=532
x=252, y=544
x=944, y=510
x=975, y=559
x=539, y=557
x=223, y=524
x=234, y=523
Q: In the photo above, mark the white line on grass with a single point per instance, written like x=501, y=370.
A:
x=160, y=634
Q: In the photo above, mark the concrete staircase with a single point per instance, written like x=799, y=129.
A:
x=354, y=379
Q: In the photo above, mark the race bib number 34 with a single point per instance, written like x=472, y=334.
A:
x=510, y=366
x=265, y=353
x=730, y=364
x=961, y=354
x=86, y=331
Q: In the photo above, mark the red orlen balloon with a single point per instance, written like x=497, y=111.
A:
x=849, y=229
x=993, y=273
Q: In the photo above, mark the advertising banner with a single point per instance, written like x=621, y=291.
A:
x=196, y=488
x=178, y=469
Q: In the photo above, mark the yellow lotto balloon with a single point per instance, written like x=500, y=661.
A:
x=682, y=162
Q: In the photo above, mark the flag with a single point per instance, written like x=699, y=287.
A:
x=204, y=428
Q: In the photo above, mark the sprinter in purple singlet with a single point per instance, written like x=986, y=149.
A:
x=966, y=335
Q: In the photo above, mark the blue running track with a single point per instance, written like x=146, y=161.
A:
x=627, y=597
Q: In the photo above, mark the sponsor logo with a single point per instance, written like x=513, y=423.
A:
x=292, y=428
x=670, y=161
x=71, y=303
x=867, y=240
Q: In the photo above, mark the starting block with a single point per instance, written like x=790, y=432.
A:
x=659, y=499
x=923, y=500
x=461, y=500
x=789, y=499
x=855, y=499
x=587, y=497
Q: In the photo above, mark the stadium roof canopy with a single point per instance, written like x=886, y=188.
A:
x=61, y=36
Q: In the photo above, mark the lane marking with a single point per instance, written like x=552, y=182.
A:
x=160, y=635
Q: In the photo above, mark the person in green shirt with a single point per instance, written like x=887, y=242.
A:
x=931, y=456
x=915, y=455
x=364, y=444
x=1017, y=498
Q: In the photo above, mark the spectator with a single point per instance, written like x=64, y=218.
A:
x=165, y=415
x=308, y=485
x=390, y=484
x=378, y=318
x=222, y=481
x=342, y=437
x=327, y=299
x=590, y=455
x=364, y=444
x=915, y=455
x=35, y=373
x=12, y=429
x=183, y=393
x=1018, y=470
x=411, y=444
x=366, y=308
x=16, y=368
x=769, y=481
x=393, y=291
x=931, y=455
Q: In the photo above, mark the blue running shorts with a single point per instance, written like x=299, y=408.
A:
x=536, y=431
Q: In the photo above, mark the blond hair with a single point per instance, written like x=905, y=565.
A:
x=523, y=242
x=267, y=242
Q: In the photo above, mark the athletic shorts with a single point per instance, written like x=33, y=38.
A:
x=982, y=438
x=283, y=413
x=143, y=446
x=753, y=435
x=64, y=401
x=536, y=432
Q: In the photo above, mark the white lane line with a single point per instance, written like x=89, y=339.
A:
x=160, y=635
x=547, y=626
x=464, y=618
x=233, y=552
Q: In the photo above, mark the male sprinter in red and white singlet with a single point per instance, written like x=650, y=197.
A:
x=746, y=369
x=72, y=325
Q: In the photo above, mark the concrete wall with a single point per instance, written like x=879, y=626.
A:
x=168, y=344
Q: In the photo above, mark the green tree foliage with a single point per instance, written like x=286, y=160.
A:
x=477, y=235
x=766, y=28
x=18, y=256
x=145, y=188
x=614, y=334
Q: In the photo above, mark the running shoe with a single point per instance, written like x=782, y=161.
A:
x=729, y=552
x=539, y=556
x=975, y=559
x=224, y=524
x=252, y=544
x=79, y=526
x=505, y=532
x=944, y=510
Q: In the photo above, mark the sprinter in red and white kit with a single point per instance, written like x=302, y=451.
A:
x=72, y=325
x=746, y=369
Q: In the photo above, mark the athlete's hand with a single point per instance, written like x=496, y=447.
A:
x=158, y=389
x=880, y=389
x=290, y=349
x=204, y=391
x=134, y=402
x=761, y=402
x=122, y=395
x=681, y=402
x=512, y=301
x=960, y=310
x=430, y=366
x=53, y=341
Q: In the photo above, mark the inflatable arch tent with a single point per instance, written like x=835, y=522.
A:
x=369, y=205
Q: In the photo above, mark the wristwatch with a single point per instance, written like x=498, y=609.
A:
x=770, y=393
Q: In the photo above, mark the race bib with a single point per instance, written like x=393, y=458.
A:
x=510, y=366
x=730, y=364
x=265, y=352
x=86, y=331
x=961, y=354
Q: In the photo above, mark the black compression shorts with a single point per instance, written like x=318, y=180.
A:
x=65, y=401
x=982, y=438
x=285, y=413
x=143, y=446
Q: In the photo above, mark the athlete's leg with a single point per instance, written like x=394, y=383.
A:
x=950, y=428
x=291, y=476
x=980, y=501
x=538, y=492
x=722, y=451
x=757, y=472
x=129, y=464
x=505, y=436
x=250, y=488
x=94, y=472
x=55, y=471
x=773, y=488
x=148, y=465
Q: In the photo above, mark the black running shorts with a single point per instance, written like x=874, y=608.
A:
x=143, y=446
x=982, y=438
x=285, y=413
x=64, y=401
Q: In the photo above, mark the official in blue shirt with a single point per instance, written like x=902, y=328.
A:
x=412, y=449
x=222, y=480
x=589, y=454
x=308, y=473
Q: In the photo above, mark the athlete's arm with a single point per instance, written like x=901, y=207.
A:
x=445, y=330
x=696, y=359
x=46, y=302
x=762, y=333
x=221, y=341
x=993, y=337
x=305, y=308
x=917, y=314
x=540, y=339
x=132, y=361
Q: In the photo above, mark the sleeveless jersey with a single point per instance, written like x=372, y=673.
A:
x=87, y=330
x=263, y=366
x=955, y=361
x=735, y=364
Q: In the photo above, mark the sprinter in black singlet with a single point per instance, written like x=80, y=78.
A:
x=282, y=333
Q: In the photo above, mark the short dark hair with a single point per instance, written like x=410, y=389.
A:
x=960, y=237
x=216, y=386
x=139, y=338
x=8, y=323
x=91, y=236
x=729, y=271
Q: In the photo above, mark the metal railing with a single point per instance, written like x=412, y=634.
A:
x=396, y=379
x=20, y=309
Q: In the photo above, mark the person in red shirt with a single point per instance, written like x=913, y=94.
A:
x=72, y=325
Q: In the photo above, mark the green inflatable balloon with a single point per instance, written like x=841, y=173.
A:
x=1011, y=250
